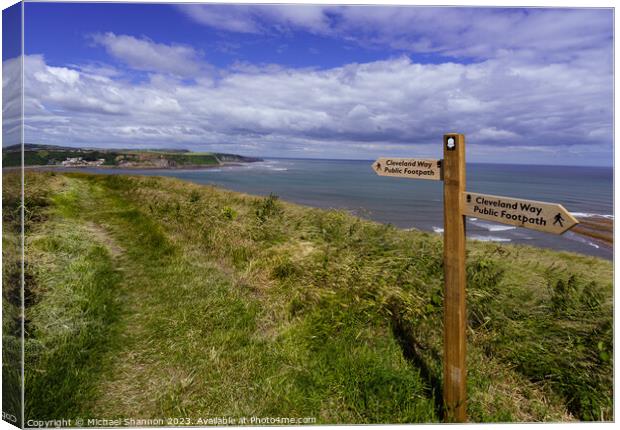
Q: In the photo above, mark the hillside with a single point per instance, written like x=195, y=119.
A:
x=152, y=297
x=45, y=155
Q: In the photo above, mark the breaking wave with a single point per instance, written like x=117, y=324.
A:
x=590, y=215
x=579, y=238
x=489, y=238
x=492, y=227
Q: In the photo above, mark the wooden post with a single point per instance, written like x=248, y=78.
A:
x=454, y=383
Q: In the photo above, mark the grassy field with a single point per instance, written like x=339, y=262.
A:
x=45, y=157
x=11, y=298
x=152, y=298
x=178, y=159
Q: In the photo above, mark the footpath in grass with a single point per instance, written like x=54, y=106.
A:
x=206, y=303
x=192, y=338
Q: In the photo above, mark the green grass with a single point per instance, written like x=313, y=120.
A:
x=71, y=321
x=204, y=302
x=180, y=158
x=11, y=296
x=45, y=157
x=193, y=159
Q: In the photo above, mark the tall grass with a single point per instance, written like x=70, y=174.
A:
x=11, y=296
x=236, y=304
x=70, y=323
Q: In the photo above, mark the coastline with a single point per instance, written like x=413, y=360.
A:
x=105, y=167
x=594, y=229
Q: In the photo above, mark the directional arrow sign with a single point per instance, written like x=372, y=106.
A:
x=547, y=217
x=413, y=168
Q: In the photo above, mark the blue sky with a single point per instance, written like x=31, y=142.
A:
x=74, y=23
x=523, y=85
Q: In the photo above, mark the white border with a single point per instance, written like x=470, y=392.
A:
x=478, y=3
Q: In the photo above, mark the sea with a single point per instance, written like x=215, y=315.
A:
x=353, y=186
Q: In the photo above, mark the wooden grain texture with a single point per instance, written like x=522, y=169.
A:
x=454, y=384
x=412, y=168
x=532, y=214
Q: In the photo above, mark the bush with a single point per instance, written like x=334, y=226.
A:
x=268, y=207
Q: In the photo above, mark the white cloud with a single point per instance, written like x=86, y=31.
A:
x=481, y=33
x=259, y=18
x=144, y=54
x=492, y=133
x=11, y=101
x=309, y=17
x=357, y=109
x=234, y=18
x=534, y=34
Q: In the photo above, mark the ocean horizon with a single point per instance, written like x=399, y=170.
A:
x=469, y=163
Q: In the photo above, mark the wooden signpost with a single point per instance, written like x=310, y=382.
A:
x=458, y=203
x=454, y=311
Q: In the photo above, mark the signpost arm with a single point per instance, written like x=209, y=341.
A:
x=454, y=385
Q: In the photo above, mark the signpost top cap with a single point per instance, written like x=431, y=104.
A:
x=451, y=140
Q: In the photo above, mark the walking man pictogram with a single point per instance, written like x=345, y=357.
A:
x=558, y=219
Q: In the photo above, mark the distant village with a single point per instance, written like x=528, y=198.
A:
x=79, y=161
x=32, y=154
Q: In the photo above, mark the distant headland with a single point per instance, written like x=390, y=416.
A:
x=65, y=156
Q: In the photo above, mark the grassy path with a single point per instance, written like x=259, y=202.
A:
x=74, y=305
x=185, y=326
x=192, y=339
x=160, y=298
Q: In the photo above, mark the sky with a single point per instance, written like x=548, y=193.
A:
x=312, y=81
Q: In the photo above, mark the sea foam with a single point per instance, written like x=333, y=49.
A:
x=590, y=215
x=489, y=238
x=493, y=227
